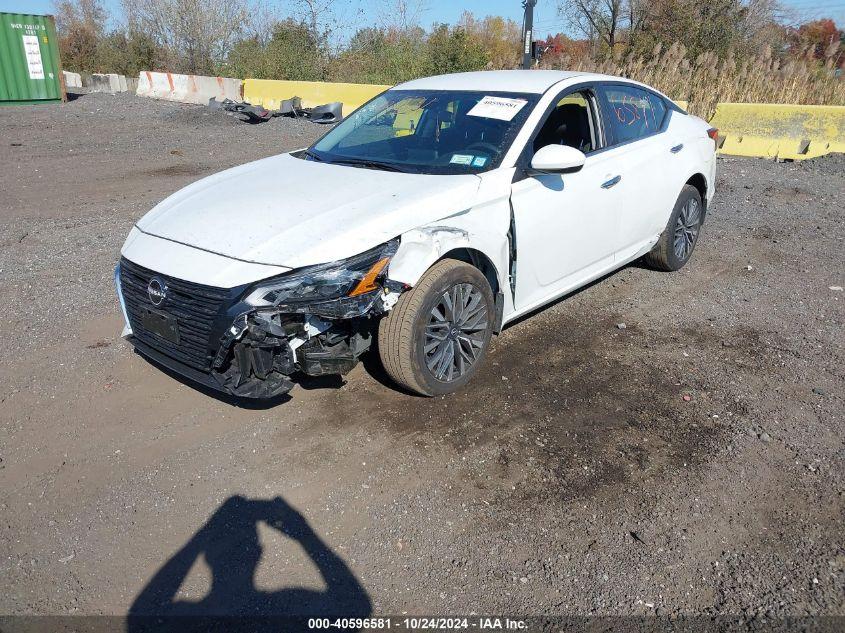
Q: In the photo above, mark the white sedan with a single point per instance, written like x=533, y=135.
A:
x=428, y=219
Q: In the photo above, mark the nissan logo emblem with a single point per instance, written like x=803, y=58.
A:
x=157, y=291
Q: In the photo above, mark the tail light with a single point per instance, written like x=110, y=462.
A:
x=714, y=134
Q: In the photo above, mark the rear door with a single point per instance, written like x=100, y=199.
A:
x=636, y=124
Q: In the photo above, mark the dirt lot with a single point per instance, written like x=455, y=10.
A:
x=690, y=463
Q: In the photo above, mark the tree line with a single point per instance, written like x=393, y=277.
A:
x=738, y=28
x=314, y=41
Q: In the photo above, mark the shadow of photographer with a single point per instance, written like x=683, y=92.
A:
x=229, y=542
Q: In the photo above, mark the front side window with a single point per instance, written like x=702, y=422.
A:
x=428, y=131
x=632, y=113
x=571, y=122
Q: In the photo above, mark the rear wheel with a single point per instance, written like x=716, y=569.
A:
x=678, y=240
x=437, y=335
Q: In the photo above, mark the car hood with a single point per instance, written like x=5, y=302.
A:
x=285, y=211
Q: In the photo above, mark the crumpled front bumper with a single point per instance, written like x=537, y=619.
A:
x=245, y=351
x=257, y=355
x=203, y=379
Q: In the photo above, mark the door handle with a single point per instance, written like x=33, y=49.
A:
x=677, y=148
x=612, y=182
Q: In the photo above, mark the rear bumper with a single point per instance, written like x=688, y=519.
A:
x=194, y=375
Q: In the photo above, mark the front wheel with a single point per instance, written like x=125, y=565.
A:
x=678, y=240
x=436, y=336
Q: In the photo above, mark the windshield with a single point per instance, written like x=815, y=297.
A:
x=427, y=131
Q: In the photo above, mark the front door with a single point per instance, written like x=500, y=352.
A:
x=566, y=225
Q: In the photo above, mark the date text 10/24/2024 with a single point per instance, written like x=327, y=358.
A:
x=419, y=624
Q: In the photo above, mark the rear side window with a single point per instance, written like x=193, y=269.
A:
x=632, y=113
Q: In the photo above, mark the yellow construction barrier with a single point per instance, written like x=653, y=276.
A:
x=270, y=93
x=768, y=130
x=762, y=130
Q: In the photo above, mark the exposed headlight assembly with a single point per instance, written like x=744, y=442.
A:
x=338, y=289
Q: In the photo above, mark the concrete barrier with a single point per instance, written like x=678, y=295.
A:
x=188, y=88
x=749, y=129
x=793, y=132
x=72, y=80
x=270, y=93
x=105, y=82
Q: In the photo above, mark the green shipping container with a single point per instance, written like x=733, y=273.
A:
x=30, y=68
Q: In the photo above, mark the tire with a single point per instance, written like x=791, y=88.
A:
x=678, y=240
x=411, y=326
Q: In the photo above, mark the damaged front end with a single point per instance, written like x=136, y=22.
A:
x=317, y=320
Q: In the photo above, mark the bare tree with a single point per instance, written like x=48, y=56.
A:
x=717, y=25
x=759, y=18
x=322, y=17
x=601, y=20
x=263, y=18
x=637, y=13
x=722, y=27
x=402, y=15
x=198, y=33
x=89, y=14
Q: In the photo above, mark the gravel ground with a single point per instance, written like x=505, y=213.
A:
x=690, y=463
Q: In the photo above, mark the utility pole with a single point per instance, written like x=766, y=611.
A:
x=528, y=33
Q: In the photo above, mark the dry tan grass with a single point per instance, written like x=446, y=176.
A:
x=708, y=80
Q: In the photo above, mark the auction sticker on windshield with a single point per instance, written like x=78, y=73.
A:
x=500, y=108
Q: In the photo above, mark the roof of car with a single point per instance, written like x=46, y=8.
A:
x=530, y=81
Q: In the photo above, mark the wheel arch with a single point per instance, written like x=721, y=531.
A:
x=479, y=260
x=420, y=249
x=699, y=181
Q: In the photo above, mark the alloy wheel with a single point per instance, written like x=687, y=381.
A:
x=454, y=334
x=686, y=229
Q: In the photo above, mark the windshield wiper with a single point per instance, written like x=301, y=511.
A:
x=371, y=164
x=312, y=155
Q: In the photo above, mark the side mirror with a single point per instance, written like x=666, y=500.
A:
x=556, y=159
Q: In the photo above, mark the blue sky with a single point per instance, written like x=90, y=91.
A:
x=449, y=11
